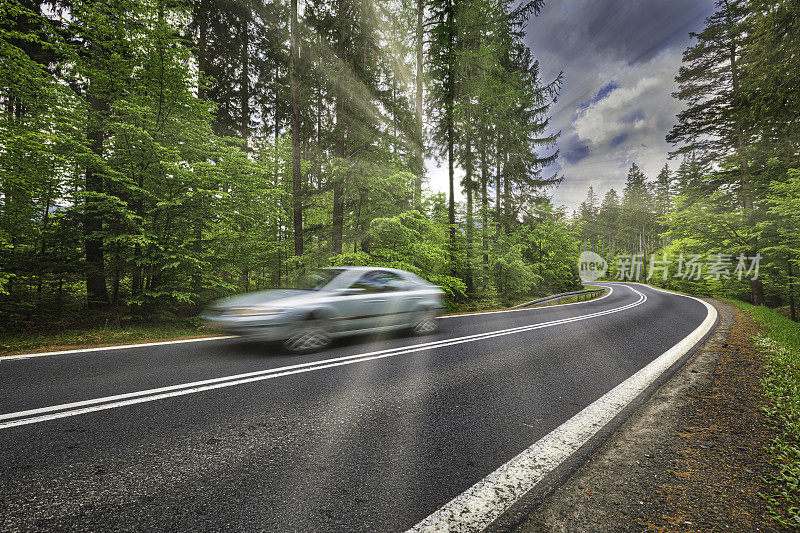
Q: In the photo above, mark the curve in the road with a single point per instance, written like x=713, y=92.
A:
x=333, y=445
x=483, y=503
x=140, y=345
x=53, y=412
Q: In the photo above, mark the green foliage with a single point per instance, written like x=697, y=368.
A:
x=784, y=202
x=736, y=191
x=147, y=158
x=512, y=275
x=781, y=344
x=409, y=241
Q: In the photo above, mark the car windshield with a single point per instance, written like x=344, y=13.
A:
x=318, y=279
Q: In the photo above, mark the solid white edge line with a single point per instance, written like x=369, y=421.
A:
x=610, y=290
x=32, y=355
x=483, y=503
x=32, y=416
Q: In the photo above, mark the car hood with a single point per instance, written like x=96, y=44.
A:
x=273, y=298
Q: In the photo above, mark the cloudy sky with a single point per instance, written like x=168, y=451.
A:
x=619, y=59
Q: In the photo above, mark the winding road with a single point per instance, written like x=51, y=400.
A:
x=446, y=431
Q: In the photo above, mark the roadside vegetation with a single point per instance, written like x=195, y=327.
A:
x=155, y=156
x=116, y=330
x=108, y=334
x=733, y=187
x=780, y=341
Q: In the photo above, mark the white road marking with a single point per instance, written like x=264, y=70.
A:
x=610, y=290
x=32, y=355
x=117, y=347
x=480, y=505
x=42, y=414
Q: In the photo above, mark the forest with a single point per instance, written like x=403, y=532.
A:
x=158, y=154
x=734, y=193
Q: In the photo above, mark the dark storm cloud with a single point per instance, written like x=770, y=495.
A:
x=619, y=139
x=575, y=150
x=632, y=30
x=632, y=116
x=602, y=93
x=593, y=42
x=583, y=38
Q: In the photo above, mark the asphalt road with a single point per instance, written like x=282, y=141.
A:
x=374, y=443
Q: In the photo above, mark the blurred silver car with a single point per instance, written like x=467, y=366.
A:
x=330, y=303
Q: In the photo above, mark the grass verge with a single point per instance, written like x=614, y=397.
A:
x=75, y=337
x=780, y=341
x=14, y=343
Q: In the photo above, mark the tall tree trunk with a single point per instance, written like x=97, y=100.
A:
x=451, y=205
x=10, y=195
x=276, y=112
x=297, y=201
x=115, y=285
x=96, y=291
x=484, y=205
x=202, y=44
x=497, y=187
x=318, y=151
x=278, y=223
x=338, y=215
x=202, y=67
x=792, y=311
x=341, y=138
x=756, y=286
x=419, y=86
x=43, y=245
x=449, y=110
x=470, y=229
x=506, y=195
x=245, y=78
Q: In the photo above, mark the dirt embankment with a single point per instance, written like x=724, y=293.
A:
x=692, y=458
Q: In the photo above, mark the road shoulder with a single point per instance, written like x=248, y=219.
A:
x=692, y=458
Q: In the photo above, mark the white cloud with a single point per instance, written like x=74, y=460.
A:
x=627, y=126
x=602, y=122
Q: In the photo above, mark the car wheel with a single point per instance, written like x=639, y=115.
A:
x=310, y=335
x=425, y=324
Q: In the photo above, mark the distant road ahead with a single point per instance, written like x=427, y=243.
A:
x=367, y=436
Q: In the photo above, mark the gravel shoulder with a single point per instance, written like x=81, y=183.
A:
x=692, y=458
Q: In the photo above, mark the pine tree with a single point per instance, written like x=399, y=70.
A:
x=297, y=201
x=663, y=191
x=715, y=126
x=587, y=214
x=689, y=180
x=608, y=218
x=636, y=217
x=443, y=93
x=419, y=84
x=770, y=75
x=588, y=210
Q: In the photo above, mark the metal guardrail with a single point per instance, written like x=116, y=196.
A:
x=556, y=297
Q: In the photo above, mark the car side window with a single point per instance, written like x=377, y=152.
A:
x=396, y=283
x=379, y=281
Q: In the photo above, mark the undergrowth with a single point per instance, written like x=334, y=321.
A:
x=780, y=342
